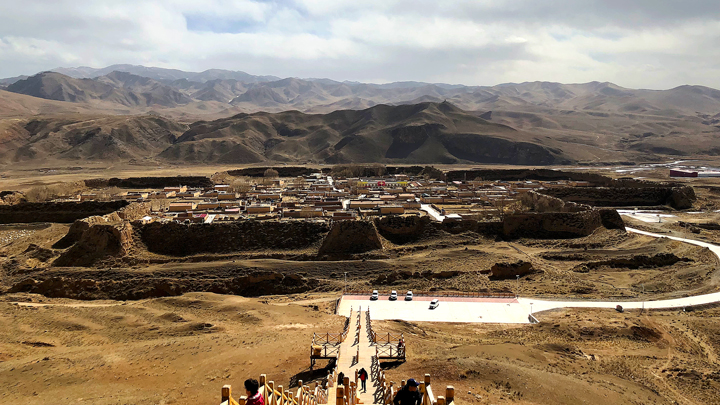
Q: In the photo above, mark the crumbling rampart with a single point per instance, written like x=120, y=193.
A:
x=551, y=225
x=96, y=243
x=129, y=213
x=350, y=237
x=150, y=182
x=60, y=212
x=176, y=239
x=676, y=197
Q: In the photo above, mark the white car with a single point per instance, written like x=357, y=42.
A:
x=434, y=303
x=374, y=295
x=409, y=296
x=393, y=295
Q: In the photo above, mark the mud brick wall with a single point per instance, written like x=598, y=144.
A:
x=98, y=242
x=552, y=224
x=129, y=212
x=677, y=197
x=62, y=212
x=181, y=239
x=349, y=237
x=150, y=182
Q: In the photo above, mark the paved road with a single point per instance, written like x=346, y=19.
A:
x=509, y=310
x=432, y=212
x=478, y=310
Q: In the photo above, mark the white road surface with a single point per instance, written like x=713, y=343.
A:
x=646, y=216
x=432, y=212
x=449, y=310
x=480, y=310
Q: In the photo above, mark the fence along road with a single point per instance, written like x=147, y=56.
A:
x=505, y=310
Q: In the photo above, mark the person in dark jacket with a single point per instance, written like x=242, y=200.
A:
x=363, y=375
x=340, y=378
x=409, y=394
x=252, y=388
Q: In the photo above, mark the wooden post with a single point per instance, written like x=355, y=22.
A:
x=340, y=397
x=225, y=393
x=440, y=400
x=242, y=400
x=450, y=394
x=427, y=379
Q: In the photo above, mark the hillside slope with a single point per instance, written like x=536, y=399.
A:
x=83, y=138
x=420, y=133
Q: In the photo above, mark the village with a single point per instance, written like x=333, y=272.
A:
x=323, y=197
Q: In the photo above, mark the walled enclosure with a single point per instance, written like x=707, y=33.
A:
x=150, y=182
x=676, y=197
x=61, y=212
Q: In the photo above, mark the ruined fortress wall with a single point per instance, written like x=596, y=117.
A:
x=539, y=202
x=677, y=197
x=61, y=212
x=527, y=174
x=549, y=225
x=350, y=237
x=96, y=243
x=176, y=239
x=552, y=225
x=150, y=182
x=283, y=171
x=130, y=212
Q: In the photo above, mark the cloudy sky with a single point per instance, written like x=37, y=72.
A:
x=654, y=44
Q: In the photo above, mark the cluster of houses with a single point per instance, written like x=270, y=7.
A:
x=323, y=197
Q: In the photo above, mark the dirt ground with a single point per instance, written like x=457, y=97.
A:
x=181, y=350
x=572, y=356
x=171, y=345
x=178, y=350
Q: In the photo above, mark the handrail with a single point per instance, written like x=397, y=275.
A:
x=387, y=388
x=277, y=396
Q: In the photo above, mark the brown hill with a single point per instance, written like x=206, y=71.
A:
x=420, y=133
x=122, y=89
x=108, y=138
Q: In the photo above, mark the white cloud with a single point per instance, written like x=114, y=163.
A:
x=641, y=43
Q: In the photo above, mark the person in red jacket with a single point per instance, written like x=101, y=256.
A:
x=363, y=375
x=252, y=388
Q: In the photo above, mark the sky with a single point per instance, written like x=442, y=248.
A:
x=655, y=44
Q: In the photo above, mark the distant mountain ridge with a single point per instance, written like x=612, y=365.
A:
x=585, y=122
x=238, y=91
x=162, y=74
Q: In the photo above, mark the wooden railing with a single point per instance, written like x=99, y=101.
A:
x=388, y=338
x=390, y=351
x=327, y=345
x=275, y=395
x=387, y=389
x=347, y=392
x=371, y=332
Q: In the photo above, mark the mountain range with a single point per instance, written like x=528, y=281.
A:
x=234, y=117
